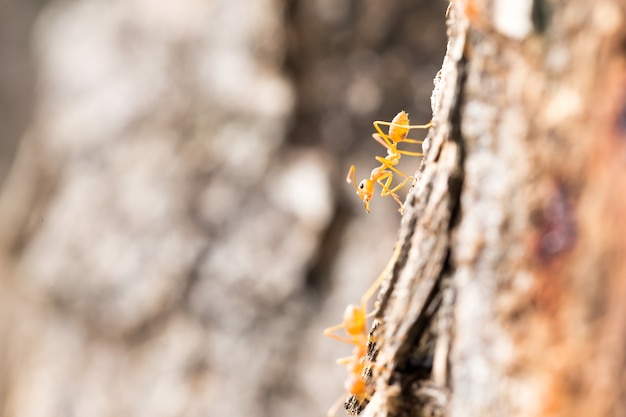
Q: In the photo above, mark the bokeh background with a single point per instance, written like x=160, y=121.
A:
x=175, y=226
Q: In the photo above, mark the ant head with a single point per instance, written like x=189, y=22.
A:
x=365, y=190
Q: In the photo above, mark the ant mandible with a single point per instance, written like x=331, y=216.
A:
x=399, y=128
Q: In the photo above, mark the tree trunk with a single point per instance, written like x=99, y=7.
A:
x=506, y=296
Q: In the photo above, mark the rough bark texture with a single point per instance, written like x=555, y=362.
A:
x=518, y=280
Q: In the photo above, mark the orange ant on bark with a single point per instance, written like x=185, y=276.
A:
x=399, y=128
x=355, y=325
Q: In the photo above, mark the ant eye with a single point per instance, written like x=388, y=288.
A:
x=362, y=185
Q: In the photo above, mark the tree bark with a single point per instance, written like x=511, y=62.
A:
x=506, y=296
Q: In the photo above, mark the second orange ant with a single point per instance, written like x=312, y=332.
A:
x=355, y=325
x=399, y=128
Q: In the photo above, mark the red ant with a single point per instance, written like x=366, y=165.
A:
x=399, y=128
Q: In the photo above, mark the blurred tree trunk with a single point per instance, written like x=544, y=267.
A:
x=169, y=231
x=507, y=294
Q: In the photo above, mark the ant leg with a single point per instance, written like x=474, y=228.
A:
x=382, y=141
x=333, y=409
x=386, y=138
x=385, y=188
x=328, y=332
x=386, y=191
x=371, y=290
x=388, y=165
x=407, y=140
x=426, y=126
x=401, y=208
x=346, y=360
x=388, y=177
x=410, y=153
x=385, y=272
x=399, y=186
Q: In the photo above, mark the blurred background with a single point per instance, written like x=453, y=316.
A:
x=175, y=226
